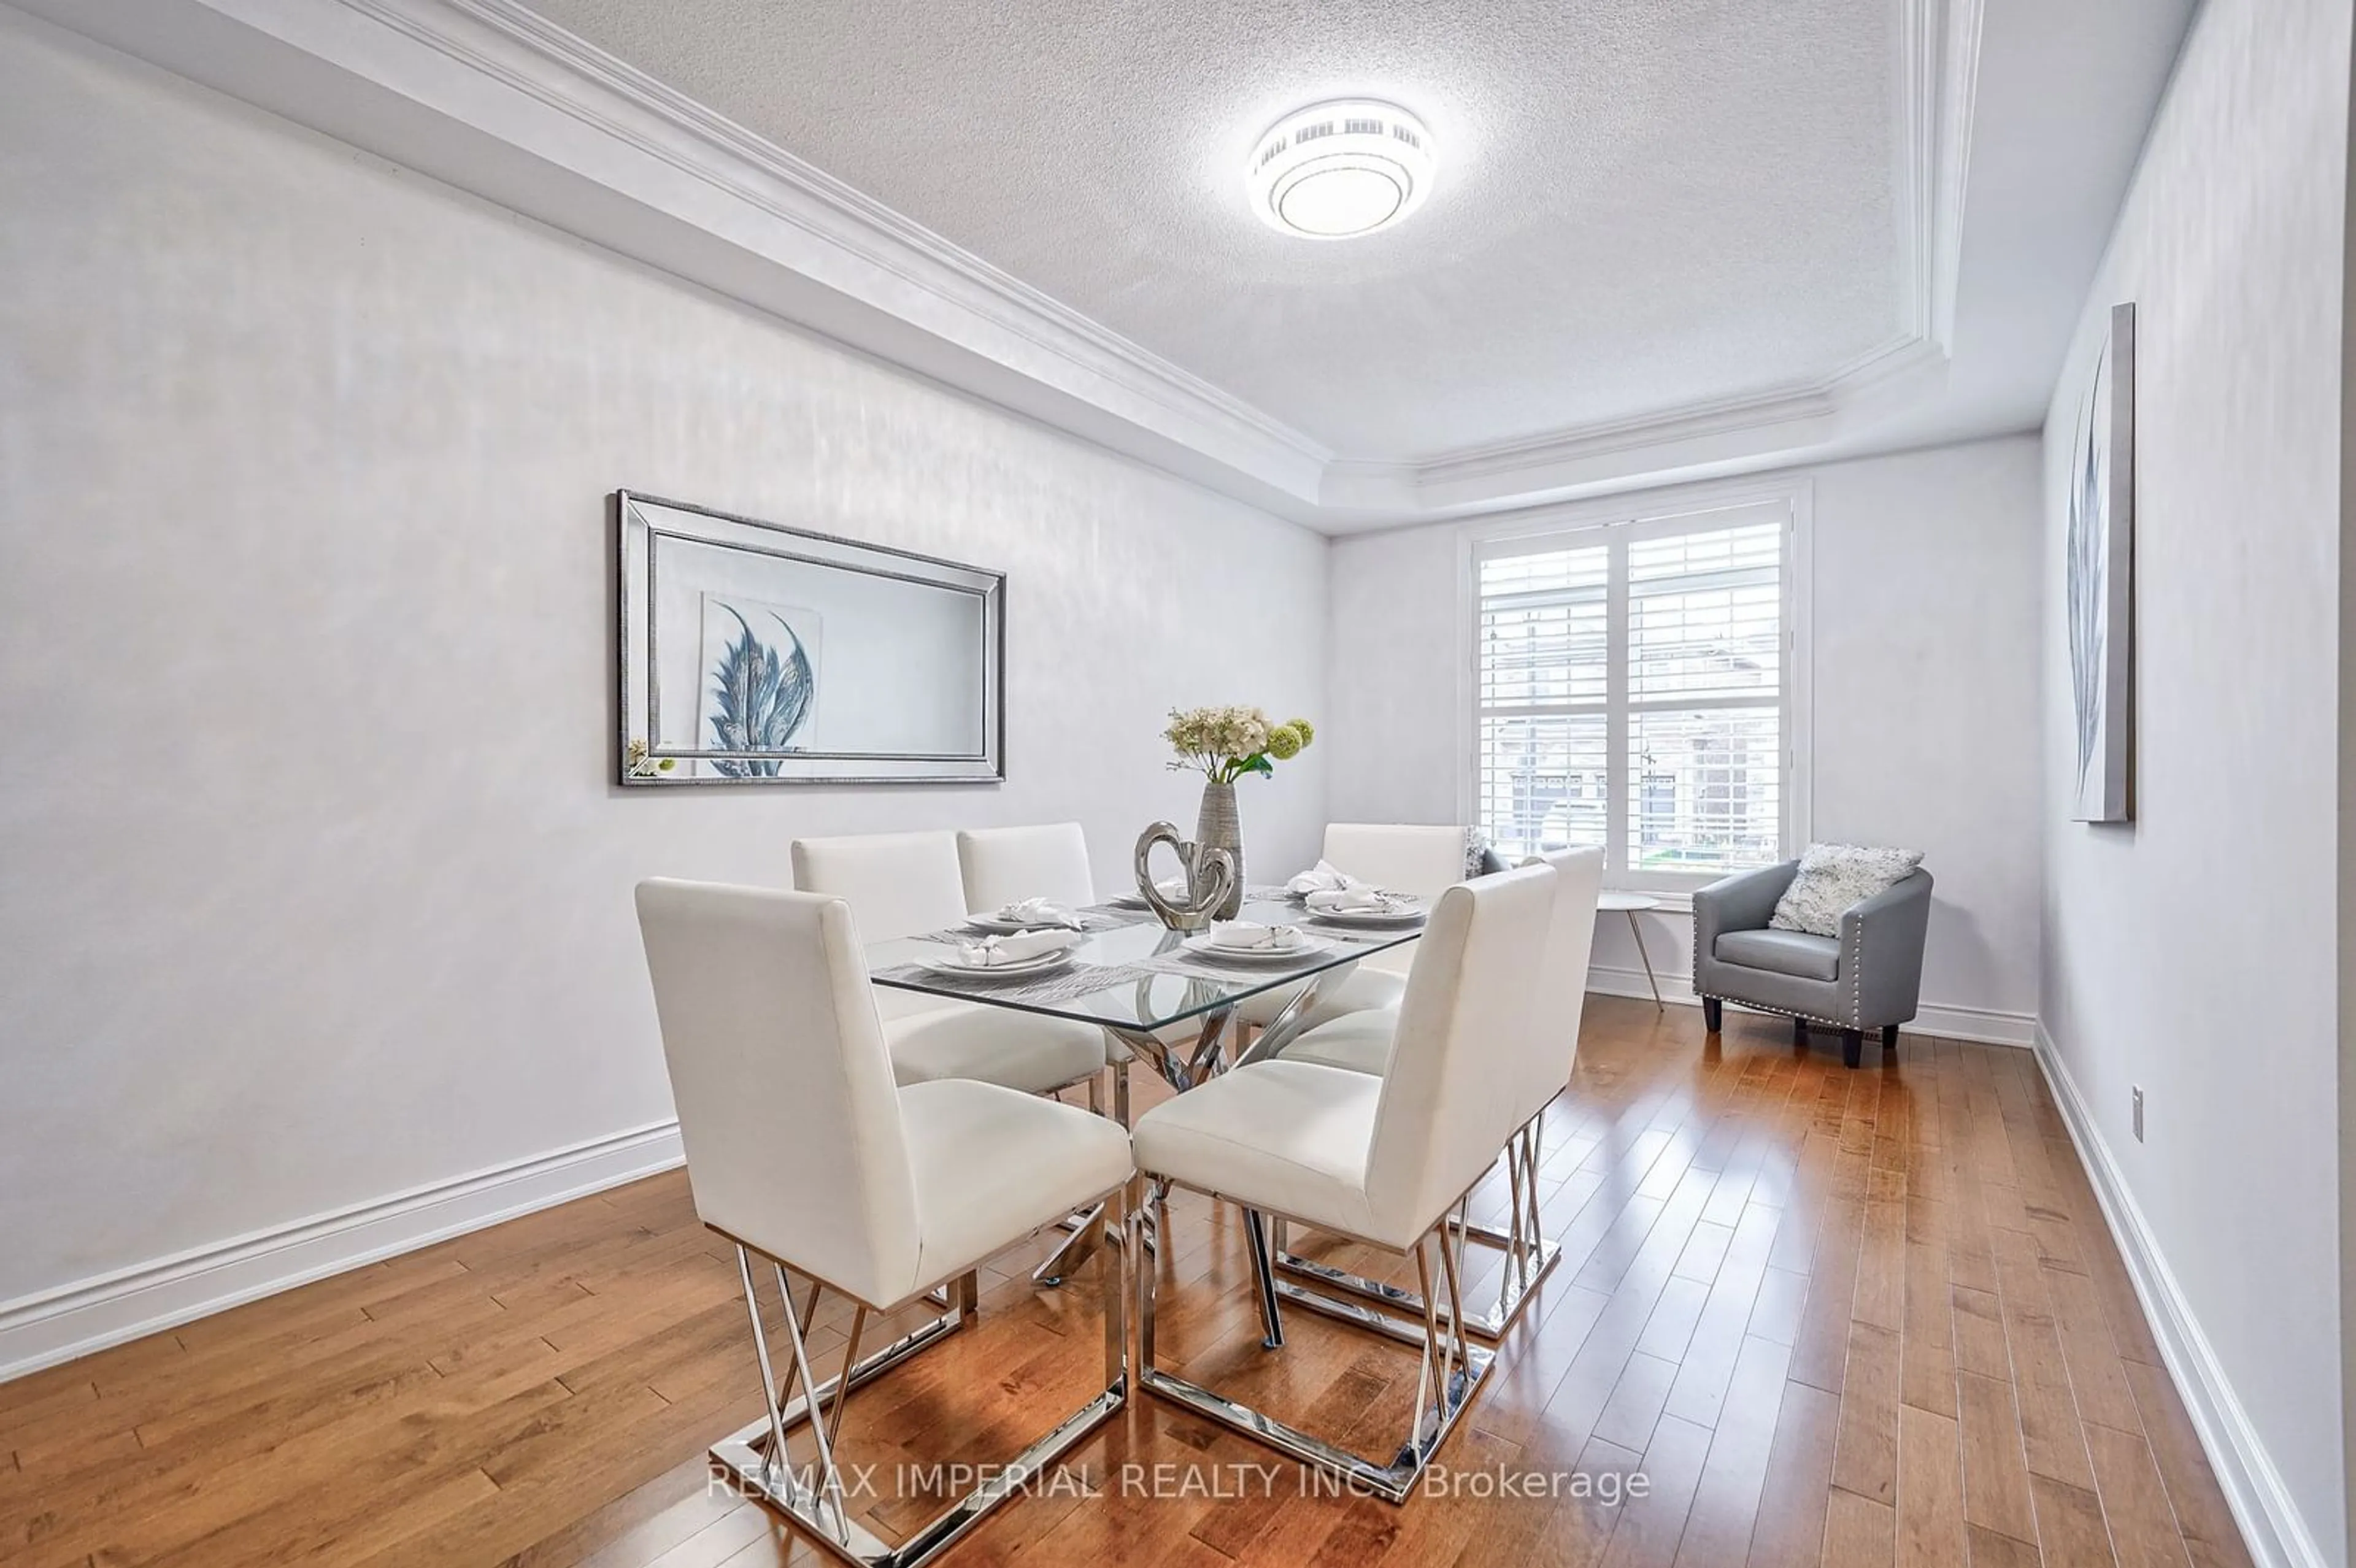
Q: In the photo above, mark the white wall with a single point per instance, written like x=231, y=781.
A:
x=2194, y=952
x=1924, y=629
x=313, y=885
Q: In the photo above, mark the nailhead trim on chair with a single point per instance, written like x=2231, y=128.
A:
x=1783, y=1012
x=1857, y=979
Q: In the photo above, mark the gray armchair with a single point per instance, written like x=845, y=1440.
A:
x=1870, y=976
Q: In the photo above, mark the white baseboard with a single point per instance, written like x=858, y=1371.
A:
x=1982, y=1024
x=53, y=1326
x=2271, y=1525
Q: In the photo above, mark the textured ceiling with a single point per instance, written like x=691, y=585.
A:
x=1641, y=203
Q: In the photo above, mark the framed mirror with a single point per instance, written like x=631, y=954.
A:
x=752, y=653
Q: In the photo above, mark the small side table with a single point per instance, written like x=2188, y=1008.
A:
x=1631, y=905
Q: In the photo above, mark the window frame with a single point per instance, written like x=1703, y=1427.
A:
x=1620, y=521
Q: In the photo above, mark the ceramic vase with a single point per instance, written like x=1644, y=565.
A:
x=1218, y=827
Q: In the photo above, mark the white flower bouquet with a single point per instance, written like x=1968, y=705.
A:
x=1226, y=743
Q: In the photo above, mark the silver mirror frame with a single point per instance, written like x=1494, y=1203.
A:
x=634, y=535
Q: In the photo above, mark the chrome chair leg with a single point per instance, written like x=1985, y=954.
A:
x=1528, y=1251
x=1427, y=1396
x=1264, y=1280
x=1181, y=1073
x=1452, y=1265
x=776, y=1454
x=1451, y=1370
x=1072, y=1251
x=1515, y=1254
x=758, y=1459
x=1068, y=1256
x=1114, y=1220
x=842, y=1383
x=831, y=1478
x=1539, y=1240
x=1142, y=1269
x=963, y=1294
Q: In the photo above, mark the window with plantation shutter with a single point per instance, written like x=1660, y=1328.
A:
x=1633, y=689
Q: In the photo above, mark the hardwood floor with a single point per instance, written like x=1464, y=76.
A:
x=1828, y=1316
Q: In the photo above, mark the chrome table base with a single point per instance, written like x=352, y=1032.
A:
x=1528, y=1255
x=1182, y=1070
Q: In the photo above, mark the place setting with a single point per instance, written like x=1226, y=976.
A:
x=1024, y=968
x=1252, y=944
x=1005, y=955
x=1172, y=888
x=1330, y=896
x=1026, y=915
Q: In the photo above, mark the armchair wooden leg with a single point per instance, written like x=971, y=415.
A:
x=1799, y=1031
x=1890, y=1037
x=1713, y=1014
x=1852, y=1047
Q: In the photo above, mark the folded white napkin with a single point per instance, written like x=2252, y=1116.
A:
x=1251, y=936
x=993, y=951
x=1357, y=900
x=1037, y=912
x=1324, y=877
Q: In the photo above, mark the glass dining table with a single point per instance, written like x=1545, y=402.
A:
x=1157, y=992
x=1146, y=986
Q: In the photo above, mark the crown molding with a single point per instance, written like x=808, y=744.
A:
x=1938, y=86
x=487, y=97
x=490, y=97
x=833, y=211
x=1658, y=446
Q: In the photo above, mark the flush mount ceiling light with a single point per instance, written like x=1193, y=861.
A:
x=1337, y=170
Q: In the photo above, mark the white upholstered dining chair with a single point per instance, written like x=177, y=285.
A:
x=1047, y=860
x=1381, y=1160
x=906, y=884
x=1399, y=857
x=1362, y=1042
x=803, y=1152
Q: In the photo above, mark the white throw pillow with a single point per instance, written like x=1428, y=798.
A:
x=1832, y=878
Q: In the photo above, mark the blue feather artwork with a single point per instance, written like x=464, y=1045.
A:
x=761, y=674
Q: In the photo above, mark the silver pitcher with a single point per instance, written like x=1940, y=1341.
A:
x=1210, y=878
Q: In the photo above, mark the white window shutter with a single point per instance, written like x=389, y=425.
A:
x=1631, y=691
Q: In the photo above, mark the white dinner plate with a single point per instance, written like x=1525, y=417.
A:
x=1372, y=920
x=1303, y=898
x=951, y=964
x=1307, y=947
x=998, y=926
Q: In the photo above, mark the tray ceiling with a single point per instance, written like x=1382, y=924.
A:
x=1640, y=206
x=1670, y=237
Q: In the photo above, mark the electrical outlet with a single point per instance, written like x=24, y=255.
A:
x=2138, y=1113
